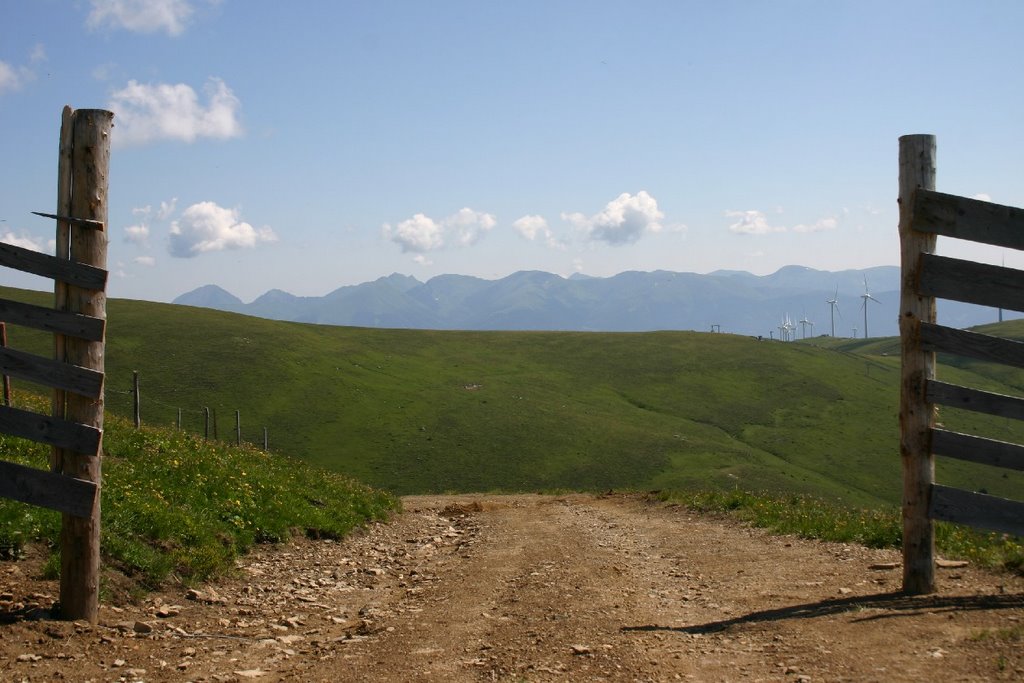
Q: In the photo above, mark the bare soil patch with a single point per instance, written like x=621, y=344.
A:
x=536, y=588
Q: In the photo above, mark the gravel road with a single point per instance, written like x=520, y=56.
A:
x=535, y=588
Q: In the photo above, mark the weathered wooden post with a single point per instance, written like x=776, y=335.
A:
x=238, y=428
x=136, y=405
x=179, y=419
x=917, y=415
x=7, y=380
x=265, y=440
x=206, y=423
x=80, y=536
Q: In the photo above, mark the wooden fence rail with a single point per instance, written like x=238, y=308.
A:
x=76, y=373
x=924, y=215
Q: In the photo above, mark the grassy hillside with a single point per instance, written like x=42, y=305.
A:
x=175, y=505
x=428, y=411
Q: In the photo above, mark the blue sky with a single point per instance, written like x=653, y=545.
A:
x=308, y=145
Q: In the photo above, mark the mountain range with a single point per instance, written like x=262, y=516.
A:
x=726, y=301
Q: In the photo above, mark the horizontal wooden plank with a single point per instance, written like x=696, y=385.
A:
x=974, y=399
x=968, y=219
x=977, y=449
x=974, y=283
x=51, y=373
x=76, y=274
x=972, y=345
x=977, y=510
x=50, y=320
x=50, y=430
x=47, y=489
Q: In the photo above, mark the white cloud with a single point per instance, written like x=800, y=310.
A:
x=421, y=233
x=148, y=261
x=532, y=227
x=756, y=223
x=751, y=223
x=207, y=227
x=467, y=226
x=535, y=228
x=137, y=234
x=141, y=16
x=166, y=209
x=624, y=220
x=8, y=78
x=422, y=260
x=14, y=77
x=24, y=241
x=821, y=225
x=163, y=111
x=416, y=234
x=983, y=196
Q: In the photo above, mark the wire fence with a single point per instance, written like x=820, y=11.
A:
x=212, y=422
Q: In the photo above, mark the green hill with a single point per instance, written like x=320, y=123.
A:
x=430, y=411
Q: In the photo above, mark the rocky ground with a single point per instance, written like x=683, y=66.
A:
x=535, y=588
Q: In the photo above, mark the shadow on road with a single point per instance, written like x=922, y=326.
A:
x=893, y=604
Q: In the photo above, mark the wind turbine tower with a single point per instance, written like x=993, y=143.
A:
x=833, y=304
x=804, y=323
x=866, y=296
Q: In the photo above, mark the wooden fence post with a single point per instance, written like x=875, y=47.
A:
x=136, y=405
x=80, y=536
x=238, y=428
x=63, y=251
x=206, y=423
x=917, y=415
x=265, y=441
x=179, y=419
x=7, y=380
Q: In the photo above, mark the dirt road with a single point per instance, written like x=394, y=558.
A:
x=537, y=588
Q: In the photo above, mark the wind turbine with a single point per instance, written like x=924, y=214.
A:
x=804, y=322
x=834, y=305
x=866, y=296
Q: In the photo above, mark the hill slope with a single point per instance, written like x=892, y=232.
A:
x=434, y=411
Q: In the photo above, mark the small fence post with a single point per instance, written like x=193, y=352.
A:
x=238, y=428
x=135, y=399
x=179, y=419
x=917, y=416
x=7, y=380
x=265, y=441
x=206, y=423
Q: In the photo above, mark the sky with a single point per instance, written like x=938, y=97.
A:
x=309, y=145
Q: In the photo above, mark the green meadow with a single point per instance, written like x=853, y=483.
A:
x=416, y=411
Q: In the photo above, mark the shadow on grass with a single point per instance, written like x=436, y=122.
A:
x=893, y=604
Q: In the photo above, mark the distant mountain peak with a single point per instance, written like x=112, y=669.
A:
x=631, y=301
x=210, y=296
